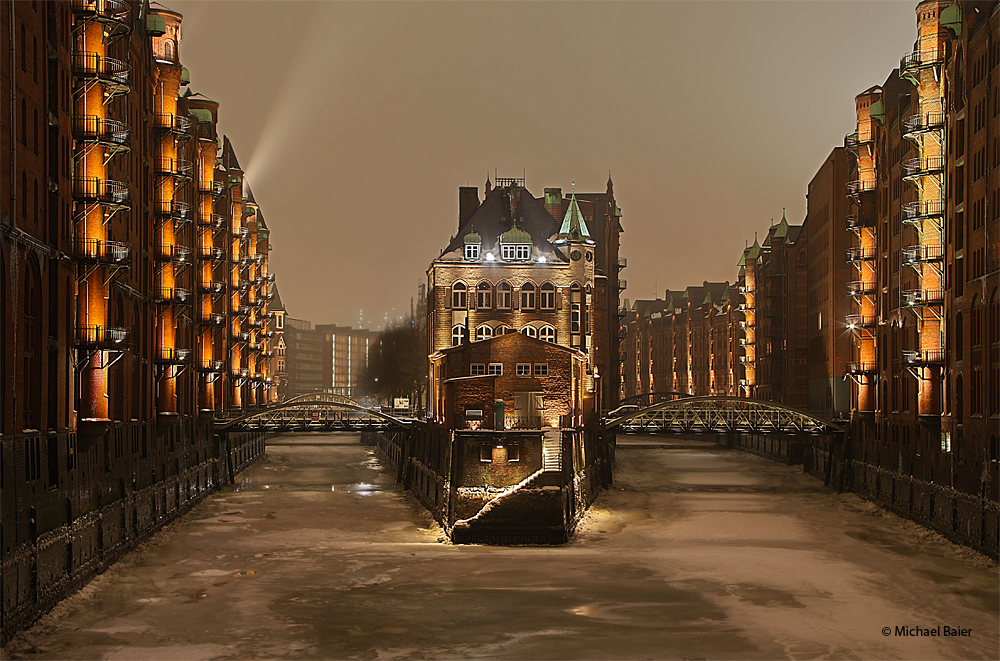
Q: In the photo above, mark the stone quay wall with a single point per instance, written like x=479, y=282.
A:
x=40, y=572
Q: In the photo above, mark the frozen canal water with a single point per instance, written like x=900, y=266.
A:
x=696, y=553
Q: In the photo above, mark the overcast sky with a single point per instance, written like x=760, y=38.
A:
x=356, y=123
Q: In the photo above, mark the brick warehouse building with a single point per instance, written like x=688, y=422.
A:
x=883, y=307
x=926, y=361
x=133, y=292
x=513, y=267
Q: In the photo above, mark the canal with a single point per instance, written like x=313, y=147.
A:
x=696, y=552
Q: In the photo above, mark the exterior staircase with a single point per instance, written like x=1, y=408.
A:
x=552, y=450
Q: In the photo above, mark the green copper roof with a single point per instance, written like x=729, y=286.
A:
x=515, y=235
x=155, y=25
x=185, y=76
x=574, y=226
x=743, y=259
x=951, y=18
x=754, y=251
x=203, y=115
x=781, y=230
x=877, y=111
x=767, y=241
x=473, y=237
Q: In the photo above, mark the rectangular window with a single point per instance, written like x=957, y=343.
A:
x=478, y=369
x=495, y=369
x=575, y=318
x=472, y=251
x=486, y=453
x=507, y=252
x=523, y=369
x=513, y=453
x=522, y=251
x=541, y=369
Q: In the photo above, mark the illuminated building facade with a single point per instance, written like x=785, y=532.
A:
x=120, y=230
x=533, y=266
x=926, y=323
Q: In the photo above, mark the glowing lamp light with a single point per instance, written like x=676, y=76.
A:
x=542, y=259
x=489, y=257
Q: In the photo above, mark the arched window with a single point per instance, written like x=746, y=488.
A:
x=530, y=331
x=483, y=291
x=503, y=296
x=483, y=332
x=527, y=296
x=459, y=293
x=458, y=335
x=547, y=297
x=168, y=50
x=547, y=334
x=502, y=330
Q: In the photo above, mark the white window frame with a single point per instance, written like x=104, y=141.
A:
x=459, y=333
x=483, y=295
x=547, y=334
x=477, y=369
x=484, y=332
x=494, y=369
x=505, y=296
x=523, y=369
x=541, y=369
x=574, y=324
x=547, y=297
x=472, y=251
x=528, y=299
x=459, y=297
x=530, y=331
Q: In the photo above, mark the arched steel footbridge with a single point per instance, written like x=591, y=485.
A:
x=314, y=412
x=719, y=414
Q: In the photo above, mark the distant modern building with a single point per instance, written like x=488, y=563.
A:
x=346, y=350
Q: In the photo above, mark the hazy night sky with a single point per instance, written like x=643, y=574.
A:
x=357, y=122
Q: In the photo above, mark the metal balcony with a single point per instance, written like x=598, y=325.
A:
x=212, y=254
x=97, y=251
x=213, y=287
x=911, y=63
x=173, y=253
x=928, y=121
x=857, y=221
x=173, y=356
x=860, y=254
x=243, y=310
x=862, y=367
x=101, y=337
x=210, y=187
x=111, y=194
x=862, y=321
x=212, y=366
x=113, y=14
x=918, y=211
x=213, y=319
x=859, y=186
x=172, y=296
x=921, y=297
x=860, y=288
x=112, y=73
x=622, y=263
x=914, y=255
x=109, y=133
x=174, y=167
x=622, y=284
x=923, y=167
x=173, y=209
x=854, y=140
x=239, y=336
x=178, y=125
x=924, y=358
x=214, y=220
x=241, y=232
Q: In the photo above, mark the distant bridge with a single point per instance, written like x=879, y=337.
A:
x=314, y=412
x=720, y=414
x=650, y=398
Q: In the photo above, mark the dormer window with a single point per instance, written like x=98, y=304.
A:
x=472, y=251
x=515, y=252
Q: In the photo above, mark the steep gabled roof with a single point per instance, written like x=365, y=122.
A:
x=494, y=217
x=276, y=303
x=574, y=225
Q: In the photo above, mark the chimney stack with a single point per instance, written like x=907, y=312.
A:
x=468, y=202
